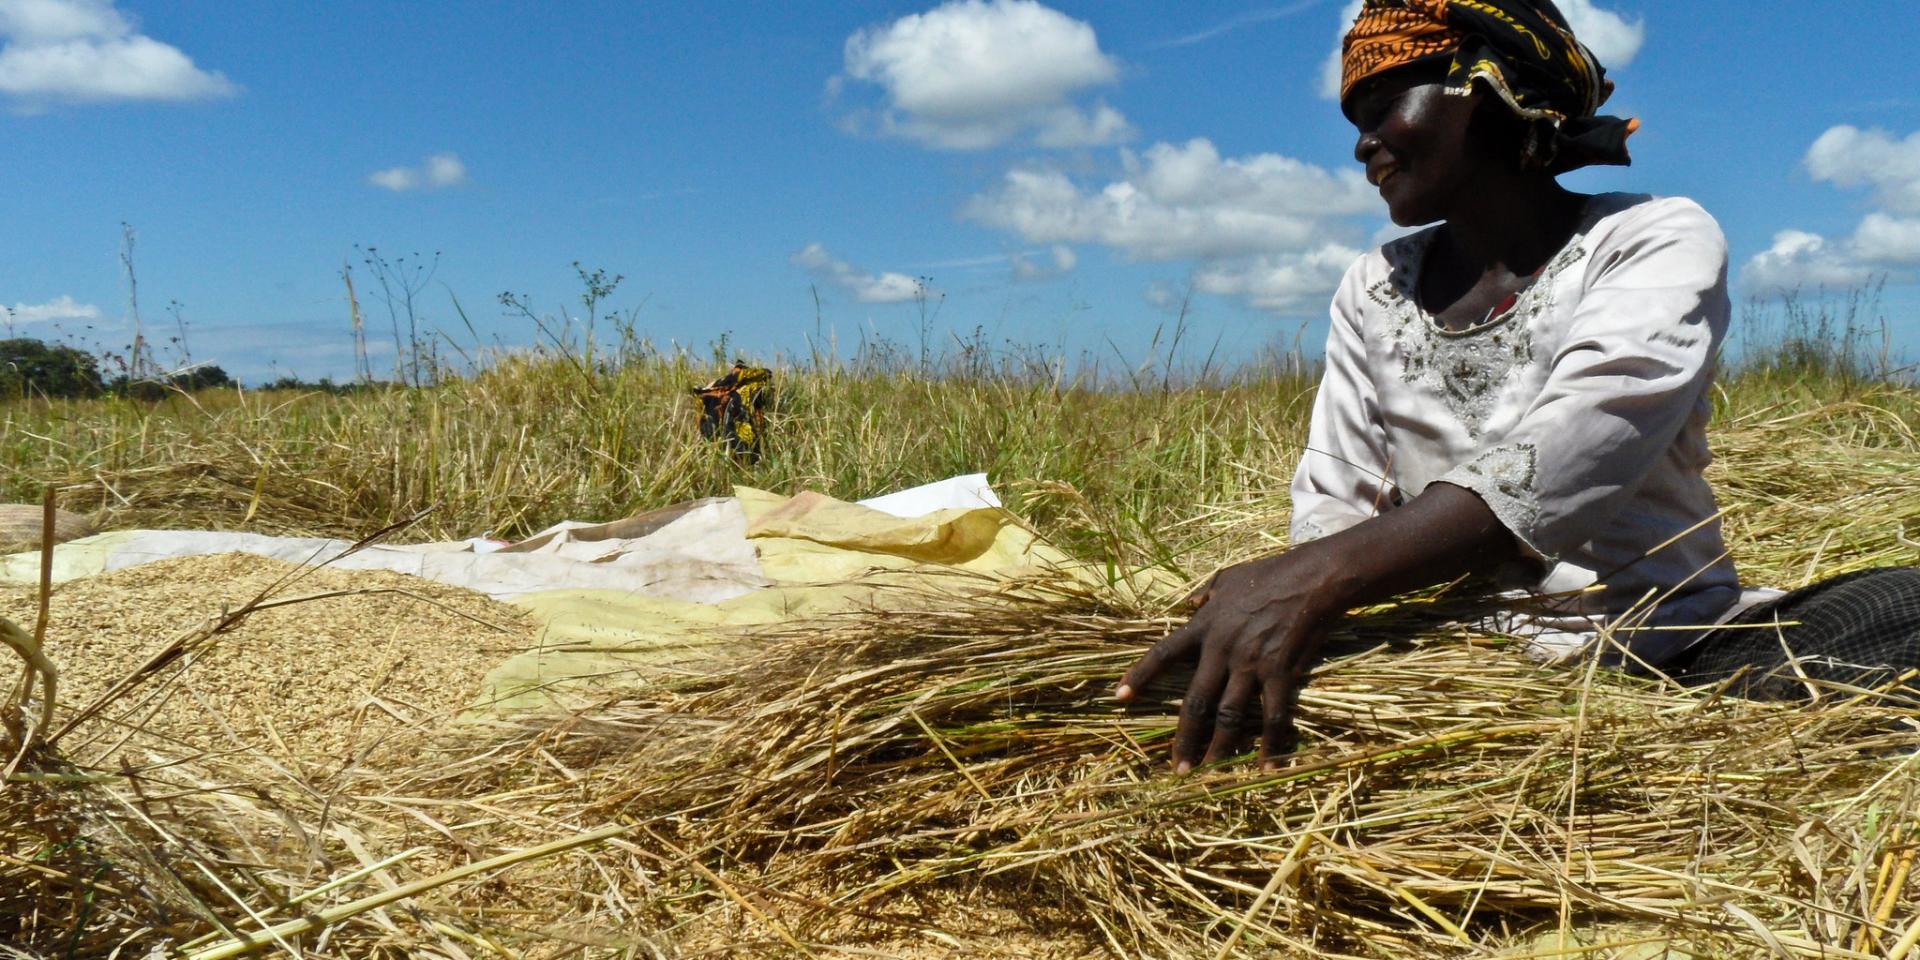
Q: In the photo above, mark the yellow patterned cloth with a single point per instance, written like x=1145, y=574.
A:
x=1522, y=50
x=734, y=408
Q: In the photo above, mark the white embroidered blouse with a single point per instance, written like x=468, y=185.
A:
x=1579, y=416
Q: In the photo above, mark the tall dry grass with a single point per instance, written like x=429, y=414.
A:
x=873, y=785
x=534, y=439
x=1140, y=470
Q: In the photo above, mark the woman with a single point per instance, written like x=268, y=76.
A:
x=1519, y=392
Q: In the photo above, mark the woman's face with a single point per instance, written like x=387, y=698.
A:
x=1416, y=144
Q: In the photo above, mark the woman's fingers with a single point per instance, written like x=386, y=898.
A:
x=1281, y=694
x=1252, y=661
x=1182, y=643
x=1277, y=735
x=1234, y=720
x=1198, y=708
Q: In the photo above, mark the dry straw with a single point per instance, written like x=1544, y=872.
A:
x=1452, y=795
x=958, y=782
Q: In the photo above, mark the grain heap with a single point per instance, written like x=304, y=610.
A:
x=207, y=707
x=318, y=678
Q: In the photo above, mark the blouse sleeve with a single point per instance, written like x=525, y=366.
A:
x=1341, y=479
x=1632, y=368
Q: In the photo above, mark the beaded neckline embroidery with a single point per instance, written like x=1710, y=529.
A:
x=1468, y=368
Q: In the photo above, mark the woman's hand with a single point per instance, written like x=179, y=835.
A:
x=1261, y=624
x=1257, y=631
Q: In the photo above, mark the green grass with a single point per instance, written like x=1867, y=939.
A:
x=535, y=439
x=1136, y=472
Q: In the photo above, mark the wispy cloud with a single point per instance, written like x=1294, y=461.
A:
x=62, y=307
x=1249, y=19
x=963, y=263
x=438, y=172
x=864, y=286
x=1879, y=106
x=647, y=196
x=86, y=51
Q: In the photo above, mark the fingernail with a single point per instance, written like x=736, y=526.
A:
x=1124, y=693
x=1183, y=768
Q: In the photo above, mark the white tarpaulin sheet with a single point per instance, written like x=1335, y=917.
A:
x=697, y=552
x=672, y=589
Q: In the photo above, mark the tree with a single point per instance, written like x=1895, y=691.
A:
x=200, y=376
x=29, y=367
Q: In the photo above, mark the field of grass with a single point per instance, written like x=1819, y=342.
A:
x=1152, y=469
x=955, y=782
x=536, y=439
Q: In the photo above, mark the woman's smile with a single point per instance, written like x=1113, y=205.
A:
x=1415, y=146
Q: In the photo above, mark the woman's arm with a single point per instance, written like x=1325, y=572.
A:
x=1632, y=368
x=1342, y=477
x=1260, y=624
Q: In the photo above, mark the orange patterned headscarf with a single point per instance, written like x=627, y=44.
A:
x=1522, y=50
x=1394, y=35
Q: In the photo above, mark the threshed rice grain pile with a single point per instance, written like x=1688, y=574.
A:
x=957, y=783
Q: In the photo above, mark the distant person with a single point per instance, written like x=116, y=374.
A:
x=733, y=409
x=1520, y=392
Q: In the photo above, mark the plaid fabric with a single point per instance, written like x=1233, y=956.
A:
x=1860, y=629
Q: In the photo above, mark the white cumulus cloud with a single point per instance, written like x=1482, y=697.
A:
x=1847, y=156
x=1885, y=239
x=438, y=172
x=1801, y=259
x=1269, y=229
x=863, y=286
x=86, y=51
x=1613, y=38
x=972, y=74
x=1060, y=260
x=1886, y=242
x=62, y=307
x=1283, y=283
x=1177, y=201
x=41, y=21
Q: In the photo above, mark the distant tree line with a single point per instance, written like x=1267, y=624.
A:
x=322, y=385
x=32, y=368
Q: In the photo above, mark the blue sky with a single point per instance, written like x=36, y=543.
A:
x=1066, y=173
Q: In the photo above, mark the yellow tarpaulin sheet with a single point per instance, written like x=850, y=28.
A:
x=620, y=624
x=80, y=558
x=824, y=556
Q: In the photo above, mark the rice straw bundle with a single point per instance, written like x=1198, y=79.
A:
x=1452, y=794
